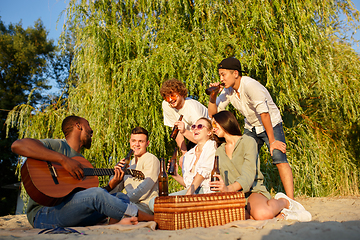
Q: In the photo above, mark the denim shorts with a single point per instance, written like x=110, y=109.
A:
x=261, y=138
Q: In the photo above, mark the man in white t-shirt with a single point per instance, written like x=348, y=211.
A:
x=263, y=121
x=175, y=104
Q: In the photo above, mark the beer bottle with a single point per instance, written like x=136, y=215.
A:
x=213, y=88
x=173, y=163
x=127, y=160
x=215, y=170
x=175, y=130
x=163, y=179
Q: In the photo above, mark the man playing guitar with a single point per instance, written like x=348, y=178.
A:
x=82, y=208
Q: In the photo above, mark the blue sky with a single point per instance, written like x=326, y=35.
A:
x=12, y=11
x=28, y=11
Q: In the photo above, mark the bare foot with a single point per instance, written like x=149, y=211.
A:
x=113, y=221
x=128, y=221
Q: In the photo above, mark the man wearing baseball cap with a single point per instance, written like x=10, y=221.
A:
x=262, y=117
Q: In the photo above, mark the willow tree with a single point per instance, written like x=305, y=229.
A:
x=125, y=49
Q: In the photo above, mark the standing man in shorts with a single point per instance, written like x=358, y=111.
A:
x=263, y=121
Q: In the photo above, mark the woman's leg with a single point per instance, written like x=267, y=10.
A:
x=261, y=208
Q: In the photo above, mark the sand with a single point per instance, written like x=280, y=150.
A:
x=333, y=218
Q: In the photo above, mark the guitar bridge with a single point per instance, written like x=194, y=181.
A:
x=52, y=172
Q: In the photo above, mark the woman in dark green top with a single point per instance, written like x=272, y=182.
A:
x=240, y=171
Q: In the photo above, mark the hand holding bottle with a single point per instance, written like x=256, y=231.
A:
x=126, y=160
x=180, y=126
x=218, y=186
x=215, y=172
x=172, y=163
x=214, y=89
x=176, y=170
x=121, y=163
x=175, y=130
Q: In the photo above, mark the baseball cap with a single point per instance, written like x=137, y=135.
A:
x=230, y=63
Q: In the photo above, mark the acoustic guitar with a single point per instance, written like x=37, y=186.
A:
x=48, y=183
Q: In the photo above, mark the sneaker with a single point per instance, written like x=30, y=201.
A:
x=298, y=215
x=294, y=205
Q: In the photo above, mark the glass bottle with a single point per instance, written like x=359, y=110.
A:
x=127, y=160
x=215, y=170
x=175, y=130
x=163, y=180
x=172, y=166
x=213, y=88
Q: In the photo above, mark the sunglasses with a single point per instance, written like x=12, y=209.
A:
x=171, y=97
x=199, y=126
x=214, y=124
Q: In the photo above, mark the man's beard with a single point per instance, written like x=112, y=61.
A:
x=87, y=143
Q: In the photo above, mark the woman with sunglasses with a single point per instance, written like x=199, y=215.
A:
x=240, y=171
x=198, y=161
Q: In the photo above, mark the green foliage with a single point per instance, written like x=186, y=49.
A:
x=125, y=49
x=23, y=60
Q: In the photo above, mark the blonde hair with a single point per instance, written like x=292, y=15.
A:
x=209, y=126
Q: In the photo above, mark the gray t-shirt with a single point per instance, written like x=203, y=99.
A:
x=57, y=145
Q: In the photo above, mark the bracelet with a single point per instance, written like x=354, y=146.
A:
x=107, y=188
x=272, y=142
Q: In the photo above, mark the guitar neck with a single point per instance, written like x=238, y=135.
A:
x=110, y=171
x=99, y=171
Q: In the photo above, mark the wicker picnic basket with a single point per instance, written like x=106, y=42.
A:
x=201, y=210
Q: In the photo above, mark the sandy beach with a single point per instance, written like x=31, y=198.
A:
x=332, y=218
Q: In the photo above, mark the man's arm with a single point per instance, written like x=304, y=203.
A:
x=151, y=169
x=257, y=94
x=33, y=148
x=118, y=177
x=189, y=136
x=185, y=133
x=212, y=107
x=274, y=144
x=180, y=141
x=193, y=112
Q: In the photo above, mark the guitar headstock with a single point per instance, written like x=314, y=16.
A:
x=136, y=174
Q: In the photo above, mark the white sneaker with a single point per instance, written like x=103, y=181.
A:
x=298, y=215
x=294, y=205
